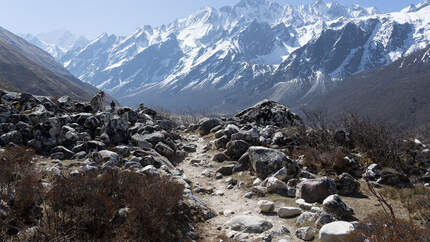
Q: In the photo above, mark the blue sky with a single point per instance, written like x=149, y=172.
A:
x=93, y=17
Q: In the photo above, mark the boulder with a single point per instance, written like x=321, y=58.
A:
x=266, y=206
x=288, y=212
x=106, y=155
x=251, y=136
x=11, y=137
x=117, y=129
x=306, y=217
x=347, y=185
x=236, y=148
x=372, y=172
x=230, y=129
x=305, y=233
x=219, y=134
x=275, y=185
x=154, y=138
x=164, y=150
x=249, y=224
x=219, y=157
x=98, y=102
x=67, y=154
x=221, y=143
x=324, y=219
x=206, y=124
x=243, y=162
x=334, y=205
x=266, y=161
x=270, y=113
x=279, y=139
x=316, y=190
x=149, y=170
x=335, y=231
x=226, y=170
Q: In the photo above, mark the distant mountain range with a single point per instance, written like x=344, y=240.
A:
x=27, y=68
x=228, y=58
x=57, y=42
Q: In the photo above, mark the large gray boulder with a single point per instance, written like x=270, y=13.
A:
x=288, y=212
x=118, y=130
x=306, y=217
x=316, y=190
x=107, y=155
x=164, y=150
x=275, y=185
x=221, y=142
x=270, y=113
x=305, y=233
x=249, y=224
x=334, y=205
x=206, y=124
x=154, y=138
x=140, y=141
x=347, y=185
x=336, y=231
x=265, y=161
x=252, y=136
x=236, y=148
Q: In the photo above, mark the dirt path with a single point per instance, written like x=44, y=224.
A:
x=225, y=202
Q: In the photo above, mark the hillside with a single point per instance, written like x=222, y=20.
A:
x=398, y=93
x=26, y=68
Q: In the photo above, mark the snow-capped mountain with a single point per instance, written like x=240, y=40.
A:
x=230, y=57
x=57, y=42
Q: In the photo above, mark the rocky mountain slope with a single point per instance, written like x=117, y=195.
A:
x=398, y=93
x=26, y=68
x=231, y=57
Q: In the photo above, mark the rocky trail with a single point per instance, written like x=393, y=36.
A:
x=228, y=196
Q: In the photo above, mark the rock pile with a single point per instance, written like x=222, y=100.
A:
x=65, y=129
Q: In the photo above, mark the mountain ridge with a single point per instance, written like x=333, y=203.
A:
x=289, y=54
x=397, y=93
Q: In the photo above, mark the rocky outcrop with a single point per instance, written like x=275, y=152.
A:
x=270, y=113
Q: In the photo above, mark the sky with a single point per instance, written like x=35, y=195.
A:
x=93, y=17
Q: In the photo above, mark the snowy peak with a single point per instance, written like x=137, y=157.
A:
x=416, y=7
x=254, y=49
x=57, y=42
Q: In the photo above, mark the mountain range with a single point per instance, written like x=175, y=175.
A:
x=27, y=68
x=57, y=42
x=231, y=57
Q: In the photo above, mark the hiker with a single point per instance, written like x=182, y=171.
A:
x=112, y=106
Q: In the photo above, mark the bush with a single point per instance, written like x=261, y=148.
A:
x=113, y=205
x=380, y=227
x=328, y=141
x=376, y=139
x=20, y=191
